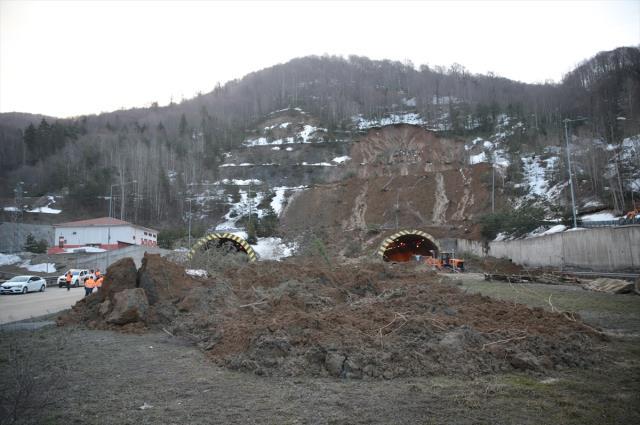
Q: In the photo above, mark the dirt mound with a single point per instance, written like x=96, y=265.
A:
x=373, y=320
x=369, y=320
x=134, y=298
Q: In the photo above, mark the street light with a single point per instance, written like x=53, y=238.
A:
x=109, y=226
x=111, y=192
x=573, y=196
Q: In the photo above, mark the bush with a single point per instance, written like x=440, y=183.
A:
x=37, y=247
x=515, y=223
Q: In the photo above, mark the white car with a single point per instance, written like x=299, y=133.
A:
x=23, y=284
x=78, y=276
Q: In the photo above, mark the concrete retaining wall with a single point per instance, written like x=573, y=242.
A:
x=600, y=249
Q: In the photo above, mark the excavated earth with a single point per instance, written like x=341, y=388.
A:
x=366, y=320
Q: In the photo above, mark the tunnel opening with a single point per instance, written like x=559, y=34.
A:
x=407, y=245
x=227, y=242
x=226, y=245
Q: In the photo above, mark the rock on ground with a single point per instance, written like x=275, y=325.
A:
x=130, y=305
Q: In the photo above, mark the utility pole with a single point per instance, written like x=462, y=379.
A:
x=189, y=223
x=110, y=213
x=493, y=187
x=573, y=196
x=17, y=216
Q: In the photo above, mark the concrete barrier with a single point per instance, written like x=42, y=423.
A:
x=599, y=249
x=103, y=260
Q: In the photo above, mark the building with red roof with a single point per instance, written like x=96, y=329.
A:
x=106, y=232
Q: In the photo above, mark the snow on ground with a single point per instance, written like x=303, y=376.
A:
x=477, y=159
x=88, y=249
x=196, y=272
x=11, y=209
x=307, y=133
x=289, y=149
x=500, y=237
x=277, y=203
x=8, y=259
x=500, y=158
x=406, y=118
x=38, y=268
x=239, y=182
x=273, y=248
x=341, y=159
x=601, y=216
x=283, y=125
x=45, y=210
x=593, y=204
x=534, y=175
x=275, y=148
x=319, y=164
x=555, y=229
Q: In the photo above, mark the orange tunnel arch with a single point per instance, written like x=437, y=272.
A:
x=404, y=245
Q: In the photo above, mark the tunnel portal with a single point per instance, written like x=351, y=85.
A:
x=405, y=245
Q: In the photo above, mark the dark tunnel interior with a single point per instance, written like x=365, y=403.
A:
x=405, y=247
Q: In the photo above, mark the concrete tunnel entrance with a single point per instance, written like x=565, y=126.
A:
x=405, y=245
x=226, y=240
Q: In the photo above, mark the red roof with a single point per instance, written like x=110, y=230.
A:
x=103, y=221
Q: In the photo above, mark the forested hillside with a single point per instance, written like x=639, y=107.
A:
x=168, y=150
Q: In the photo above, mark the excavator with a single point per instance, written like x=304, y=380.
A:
x=445, y=261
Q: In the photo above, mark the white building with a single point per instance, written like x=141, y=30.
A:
x=106, y=233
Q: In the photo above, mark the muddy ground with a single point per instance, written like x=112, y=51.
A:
x=76, y=375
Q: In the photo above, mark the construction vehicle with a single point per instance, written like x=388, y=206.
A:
x=445, y=261
x=631, y=215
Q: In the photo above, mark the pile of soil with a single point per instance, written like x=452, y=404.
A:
x=132, y=299
x=369, y=320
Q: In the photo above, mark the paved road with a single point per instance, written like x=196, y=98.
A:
x=54, y=299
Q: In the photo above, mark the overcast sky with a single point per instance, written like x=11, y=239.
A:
x=71, y=58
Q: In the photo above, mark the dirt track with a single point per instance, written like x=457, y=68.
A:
x=126, y=371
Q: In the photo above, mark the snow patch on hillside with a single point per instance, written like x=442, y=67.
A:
x=8, y=259
x=601, y=216
x=403, y=118
x=477, y=159
x=278, y=201
x=308, y=134
x=38, y=268
x=273, y=248
x=341, y=159
x=318, y=164
x=238, y=182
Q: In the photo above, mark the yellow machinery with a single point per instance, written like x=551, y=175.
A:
x=445, y=261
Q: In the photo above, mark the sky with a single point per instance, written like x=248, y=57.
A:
x=69, y=58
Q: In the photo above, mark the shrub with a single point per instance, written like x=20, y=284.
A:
x=37, y=247
x=516, y=223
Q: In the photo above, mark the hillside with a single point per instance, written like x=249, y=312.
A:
x=342, y=144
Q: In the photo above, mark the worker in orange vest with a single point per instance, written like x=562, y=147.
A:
x=89, y=284
x=68, y=278
x=99, y=282
x=98, y=274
